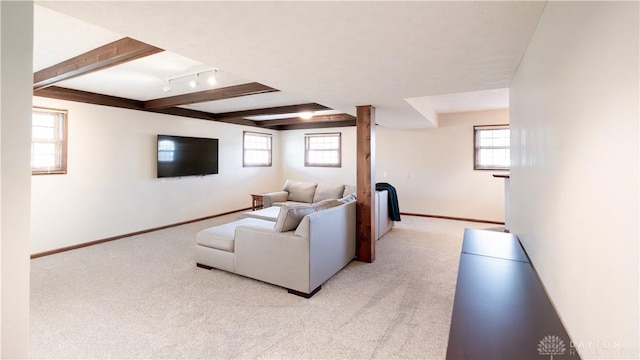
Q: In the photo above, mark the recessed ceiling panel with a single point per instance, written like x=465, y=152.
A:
x=292, y=115
x=247, y=103
x=471, y=101
x=144, y=79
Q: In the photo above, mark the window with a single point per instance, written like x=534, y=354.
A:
x=323, y=150
x=491, y=143
x=257, y=149
x=48, y=141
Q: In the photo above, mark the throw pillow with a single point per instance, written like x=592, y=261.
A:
x=326, y=191
x=289, y=217
x=327, y=204
x=300, y=191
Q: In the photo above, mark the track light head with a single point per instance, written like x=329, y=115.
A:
x=213, y=78
x=193, y=83
x=167, y=87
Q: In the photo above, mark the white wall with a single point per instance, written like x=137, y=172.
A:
x=111, y=189
x=432, y=169
x=574, y=179
x=111, y=186
x=293, y=158
x=16, y=87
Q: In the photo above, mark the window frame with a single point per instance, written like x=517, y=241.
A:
x=244, y=149
x=307, y=137
x=476, y=148
x=62, y=143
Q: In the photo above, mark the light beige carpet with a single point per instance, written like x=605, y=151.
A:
x=143, y=297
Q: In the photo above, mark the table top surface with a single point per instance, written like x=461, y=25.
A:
x=494, y=244
x=501, y=311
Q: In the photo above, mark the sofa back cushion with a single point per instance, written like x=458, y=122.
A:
x=300, y=191
x=290, y=216
x=327, y=191
x=348, y=189
x=327, y=204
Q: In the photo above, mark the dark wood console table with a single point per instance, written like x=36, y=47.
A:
x=500, y=310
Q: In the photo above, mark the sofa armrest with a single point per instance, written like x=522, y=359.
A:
x=332, y=241
x=279, y=258
x=276, y=196
x=383, y=221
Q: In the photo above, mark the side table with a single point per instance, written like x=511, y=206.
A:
x=257, y=200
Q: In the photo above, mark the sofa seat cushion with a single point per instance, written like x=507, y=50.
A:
x=222, y=237
x=270, y=213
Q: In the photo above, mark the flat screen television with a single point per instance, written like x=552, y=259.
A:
x=186, y=156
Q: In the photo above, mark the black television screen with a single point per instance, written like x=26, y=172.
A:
x=186, y=156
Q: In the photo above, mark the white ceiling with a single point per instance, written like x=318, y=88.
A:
x=339, y=54
x=142, y=79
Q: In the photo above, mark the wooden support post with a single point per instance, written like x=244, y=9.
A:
x=365, y=204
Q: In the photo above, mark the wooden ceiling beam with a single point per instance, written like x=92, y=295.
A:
x=86, y=97
x=112, y=54
x=298, y=121
x=318, y=125
x=229, y=92
x=194, y=114
x=61, y=93
x=178, y=111
x=278, y=110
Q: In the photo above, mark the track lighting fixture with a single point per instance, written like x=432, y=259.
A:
x=213, y=78
x=194, y=79
x=193, y=83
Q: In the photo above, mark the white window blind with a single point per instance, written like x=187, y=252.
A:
x=323, y=150
x=48, y=141
x=257, y=149
x=492, y=147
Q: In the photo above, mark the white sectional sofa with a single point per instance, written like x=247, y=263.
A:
x=310, y=240
x=298, y=192
x=300, y=251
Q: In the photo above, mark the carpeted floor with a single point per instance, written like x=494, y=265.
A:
x=143, y=297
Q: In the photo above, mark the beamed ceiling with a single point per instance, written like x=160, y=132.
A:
x=127, y=49
x=411, y=60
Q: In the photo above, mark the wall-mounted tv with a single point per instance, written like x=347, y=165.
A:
x=186, y=156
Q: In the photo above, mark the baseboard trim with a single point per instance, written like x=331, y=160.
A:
x=118, y=237
x=453, y=218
